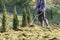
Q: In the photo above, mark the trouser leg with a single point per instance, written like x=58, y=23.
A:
x=44, y=18
x=41, y=21
x=40, y=18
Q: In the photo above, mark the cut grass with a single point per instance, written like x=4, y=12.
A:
x=34, y=33
x=30, y=33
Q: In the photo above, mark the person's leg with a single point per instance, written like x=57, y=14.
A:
x=44, y=18
x=40, y=18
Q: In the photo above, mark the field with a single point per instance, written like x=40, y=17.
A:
x=30, y=33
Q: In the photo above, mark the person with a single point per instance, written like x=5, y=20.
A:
x=40, y=8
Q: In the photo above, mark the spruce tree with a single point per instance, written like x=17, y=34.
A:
x=4, y=19
x=24, y=19
x=15, y=19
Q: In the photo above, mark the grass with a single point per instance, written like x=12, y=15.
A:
x=30, y=33
x=34, y=33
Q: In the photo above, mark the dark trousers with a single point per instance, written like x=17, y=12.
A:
x=42, y=18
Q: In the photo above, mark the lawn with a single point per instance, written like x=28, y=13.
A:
x=29, y=33
x=32, y=33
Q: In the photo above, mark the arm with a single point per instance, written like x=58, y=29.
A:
x=36, y=6
x=45, y=3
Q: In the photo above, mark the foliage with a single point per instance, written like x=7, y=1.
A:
x=51, y=10
x=4, y=20
x=24, y=18
x=15, y=19
x=15, y=2
x=29, y=16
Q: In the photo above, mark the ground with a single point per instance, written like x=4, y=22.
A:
x=29, y=33
x=32, y=33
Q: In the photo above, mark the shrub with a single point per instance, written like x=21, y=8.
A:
x=15, y=19
x=24, y=18
x=4, y=19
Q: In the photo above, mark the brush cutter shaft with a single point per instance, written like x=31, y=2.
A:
x=34, y=19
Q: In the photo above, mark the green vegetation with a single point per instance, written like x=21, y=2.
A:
x=29, y=16
x=24, y=18
x=4, y=20
x=15, y=20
